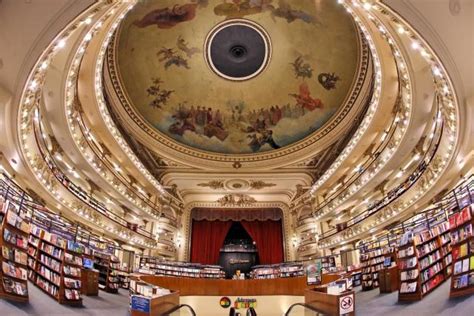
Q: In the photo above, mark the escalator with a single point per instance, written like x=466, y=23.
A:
x=302, y=309
x=297, y=309
x=181, y=310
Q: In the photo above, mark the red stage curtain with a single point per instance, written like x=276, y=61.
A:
x=269, y=239
x=207, y=239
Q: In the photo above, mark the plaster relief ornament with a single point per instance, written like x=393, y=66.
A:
x=236, y=200
x=214, y=184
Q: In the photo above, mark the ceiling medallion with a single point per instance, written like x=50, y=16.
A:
x=237, y=49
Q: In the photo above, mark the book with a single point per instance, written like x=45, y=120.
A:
x=455, y=253
x=465, y=265
x=465, y=214
x=463, y=250
x=458, y=267
x=452, y=221
x=471, y=279
x=471, y=246
x=463, y=281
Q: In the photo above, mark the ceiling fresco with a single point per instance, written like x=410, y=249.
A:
x=163, y=71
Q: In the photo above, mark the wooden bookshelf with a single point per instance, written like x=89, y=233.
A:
x=55, y=266
x=108, y=276
x=461, y=225
x=424, y=262
x=356, y=277
x=183, y=269
x=14, y=243
x=372, y=261
x=124, y=277
x=283, y=270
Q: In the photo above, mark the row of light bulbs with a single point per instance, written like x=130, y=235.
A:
x=308, y=240
x=30, y=97
x=442, y=85
x=386, y=154
x=73, y=121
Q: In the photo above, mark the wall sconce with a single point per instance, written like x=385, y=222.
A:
x=178, y=240
x=294, y=240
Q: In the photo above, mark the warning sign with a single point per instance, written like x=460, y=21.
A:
x=346, y=304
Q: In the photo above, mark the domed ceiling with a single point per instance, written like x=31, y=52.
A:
x=306, y=70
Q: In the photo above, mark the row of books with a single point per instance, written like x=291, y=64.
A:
x=431, y=271
x=52, y=251
x=49, y=275
x=35, y=230
x=72, y=271
x=72, y=283
x=464, y=265
x=429, y=260
x=430, y=233
x=72, y=295
x=408, y=263
x=50, y=262
x=409, y=275
x=427, y=248
x=463, y=281
x=432, y=283
x=373, y=261
x=461, y=233
x=463, y=250
x=14, y=255
x=408, y=287
x=147, y=290
x=14, y=287
x=33, y=240
x=47, y=286
x=460, y=218
x=71, y=259
x=410, y=251
x=15, y=239
x=14, y=271
x=15, y=220
x=32, y=251
x=376, y=253
x=75, y=247
x=54, y=239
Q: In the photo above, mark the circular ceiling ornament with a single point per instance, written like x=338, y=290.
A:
x=238, y=49
x=237, y=185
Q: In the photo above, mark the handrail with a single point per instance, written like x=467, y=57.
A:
x=312, y=308
x=178, y=307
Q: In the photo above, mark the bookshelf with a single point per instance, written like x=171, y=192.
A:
x=328, y=263
x=183, y=269
x=55, y=265
x=372, y=261
x=462, y=282
x=424, y=261
x=124, y=277
x=108, y=266
x=284, y=270
x=14, y=243
x=356, y=278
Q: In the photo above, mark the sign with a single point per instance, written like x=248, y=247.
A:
x=140, y=304
x=245, y=303
x=313, y=273
x=238, y=261
x=225, y=302
x=346, y=304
